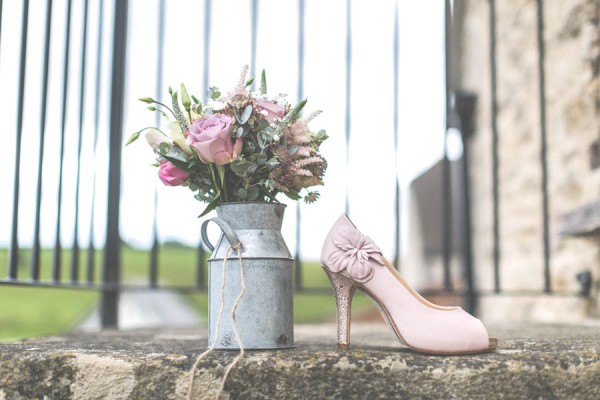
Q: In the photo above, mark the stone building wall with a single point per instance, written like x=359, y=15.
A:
x=572, y=46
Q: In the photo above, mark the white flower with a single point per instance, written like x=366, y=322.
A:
x=173, y=130
x=216, y=105
x=155, y=138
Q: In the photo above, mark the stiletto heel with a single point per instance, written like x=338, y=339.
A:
x=343, y=290
x=352, y=261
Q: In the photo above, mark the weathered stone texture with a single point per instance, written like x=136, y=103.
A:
x=533, y=361
x=572, y=47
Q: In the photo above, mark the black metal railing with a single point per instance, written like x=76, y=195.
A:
x=108, y=130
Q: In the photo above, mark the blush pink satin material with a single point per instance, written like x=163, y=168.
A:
x=420, y=324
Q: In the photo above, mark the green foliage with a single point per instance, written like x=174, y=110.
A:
x=214, y=93
x=263, y=82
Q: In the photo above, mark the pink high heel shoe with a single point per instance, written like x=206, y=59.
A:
x=352, y=261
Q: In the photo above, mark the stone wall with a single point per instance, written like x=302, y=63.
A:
x=572, y=45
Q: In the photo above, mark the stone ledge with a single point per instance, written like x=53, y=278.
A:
x=533, y=361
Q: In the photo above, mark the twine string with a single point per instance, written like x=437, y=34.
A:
x=219, y=319
x=235, y=331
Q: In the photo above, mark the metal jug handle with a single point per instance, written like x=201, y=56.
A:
x=234, y=241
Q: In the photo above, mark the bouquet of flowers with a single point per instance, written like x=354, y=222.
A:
x=245, y=146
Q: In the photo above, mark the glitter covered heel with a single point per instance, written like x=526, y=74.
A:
x=343, y=290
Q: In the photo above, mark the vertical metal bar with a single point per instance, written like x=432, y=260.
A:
x=297, y=255
x=596, y=63
x=465, y=106
x=446, y=173
x=253, y=29
x=207, y=19
x=75, y=249
x=35, y=251
x=397, y=244
x=348, y=92
x=154, y=250
x=1, y=20
x=159, y=83
x=495, y=162
x=91, y=252
x=13, y=263
x=200, y=263
x=112, y=251
x=544, y=149
x=56, y=263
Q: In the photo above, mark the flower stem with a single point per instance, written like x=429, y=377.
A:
x=165, y=106
x=223, y=182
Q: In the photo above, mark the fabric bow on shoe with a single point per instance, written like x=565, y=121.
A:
x=355, y=254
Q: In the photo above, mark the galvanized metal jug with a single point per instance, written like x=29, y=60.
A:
x=264, y=316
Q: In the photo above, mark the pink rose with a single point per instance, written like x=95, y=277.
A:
x=211, y=139
x=269, y=109
x=170, y=175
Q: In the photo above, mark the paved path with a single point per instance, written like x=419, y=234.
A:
x=148, y=310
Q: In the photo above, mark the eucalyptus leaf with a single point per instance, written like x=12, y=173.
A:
x=262, y=124
x=240, y=166
x=246, y=114
x=293, y=149
x=261, y=141
x=249, y=146
x=164, y=148
x=236, y=114
x=253, y=193
x=240, y=132
x=251, y=168
x=242, y=194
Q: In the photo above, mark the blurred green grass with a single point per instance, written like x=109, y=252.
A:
x=30, y=311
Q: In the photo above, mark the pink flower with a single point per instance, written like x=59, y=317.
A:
x=210, y=138
x=356, y=254
x=269, y=109
x=170, y=175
